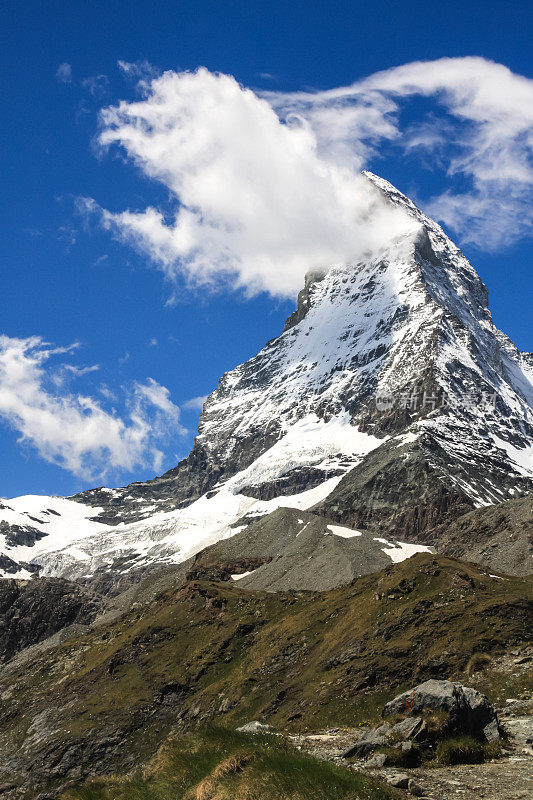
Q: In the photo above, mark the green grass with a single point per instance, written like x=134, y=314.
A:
x=460, y=750
x=224, y=765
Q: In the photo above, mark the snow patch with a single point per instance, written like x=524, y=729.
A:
x=240, y=575
x=522, y=457
x=400, y=551
x=309, y=442
x=346, y=533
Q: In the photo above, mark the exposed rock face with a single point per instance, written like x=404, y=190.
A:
x=390, y=373
x=30, y=611
x=399, y=489
x=499, y=537
x=23, y=535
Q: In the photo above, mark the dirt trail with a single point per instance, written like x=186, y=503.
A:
x=506, y=779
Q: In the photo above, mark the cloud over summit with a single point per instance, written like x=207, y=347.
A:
x=485, y=136
x=256, y=205
x=265, y=186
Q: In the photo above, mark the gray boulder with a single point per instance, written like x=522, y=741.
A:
x=399, y=781
x=255, y=727
x=469, y=710
x=410, y=729
x=370, y=741
x=404, y=736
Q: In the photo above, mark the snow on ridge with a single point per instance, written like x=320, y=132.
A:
x=310, y=441
x=522, y=457
x=400, y=551
x=59, y=522
x=170, y=537
x=345, y=533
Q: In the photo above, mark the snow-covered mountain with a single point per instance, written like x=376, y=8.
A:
x=389, y=402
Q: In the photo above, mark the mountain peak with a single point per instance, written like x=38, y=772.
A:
x=389, y=386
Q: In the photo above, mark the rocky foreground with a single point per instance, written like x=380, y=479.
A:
x=185, y=654
x=420, y=757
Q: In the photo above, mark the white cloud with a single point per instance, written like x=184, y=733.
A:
x=195, y=403
x=264, y=188
x=74, y=430
x=138, y=70
x=64, y=73
x=486, y=138
x=256, y=206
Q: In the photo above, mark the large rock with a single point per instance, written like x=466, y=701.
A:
x=469, y=711
x=370, y=741
x=255, y=727
x=405, y=735
x=410, y=729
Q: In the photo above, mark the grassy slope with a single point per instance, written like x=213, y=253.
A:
x=298, y=661
x=221, y=765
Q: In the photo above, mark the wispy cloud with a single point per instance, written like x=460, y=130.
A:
x=64, y=73
x=485, y=139
x=266, y=186
x=195, y=403
x=98, y=85
x=138, y=70
x=74, y=430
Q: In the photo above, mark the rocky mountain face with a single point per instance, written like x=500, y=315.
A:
x=31, y=611
x=500, y=536
x=390, y=402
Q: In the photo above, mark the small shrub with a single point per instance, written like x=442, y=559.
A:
x=492, y=750
x=438, y=723
x=461, y=750
x=477, y=662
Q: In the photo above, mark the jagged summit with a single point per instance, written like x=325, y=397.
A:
x=390, y=401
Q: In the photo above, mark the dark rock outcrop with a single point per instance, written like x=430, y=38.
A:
x=31, y=611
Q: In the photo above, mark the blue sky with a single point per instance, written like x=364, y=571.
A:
x=160, y=340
